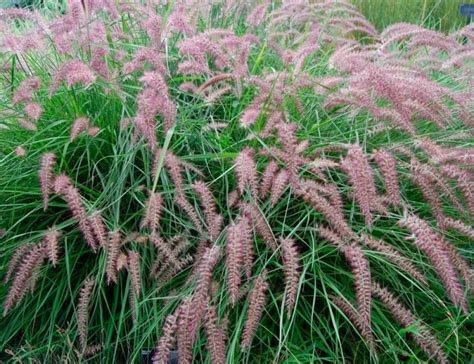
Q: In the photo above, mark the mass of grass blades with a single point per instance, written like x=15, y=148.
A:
x=252, y=182
x=440, y=14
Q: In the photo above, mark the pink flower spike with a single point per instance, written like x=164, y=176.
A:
x=246, y=171
x=46, y=176
x=20, y=151
x=80, y=124
x=93, y=131
x=33, y=110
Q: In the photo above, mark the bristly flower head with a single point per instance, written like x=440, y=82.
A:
x=234, y=260
x=99, y=228
x=201, y=294
x=246, y=171
x=113, y=253
x=72, y=71
x=193, y=138
x=46, y=176
x=51, y=242
x=166, y=341
x=33, y=110
x=31, y=261
x=216, y=336
x=80, y=125
x=71, y=194
x=153, y=212
x=361, y=177
x=291, y=268
x=133, y=266
x=83, y=310
x=25, y=90
x=213, y=218
x=257, y=301
x=434, y=246
x=387, y=165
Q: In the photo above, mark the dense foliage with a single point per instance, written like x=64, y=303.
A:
x=237, y=181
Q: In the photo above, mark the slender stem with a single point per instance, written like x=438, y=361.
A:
x=169, y=134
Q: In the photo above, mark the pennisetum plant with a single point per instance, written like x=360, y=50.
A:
x=238, y=181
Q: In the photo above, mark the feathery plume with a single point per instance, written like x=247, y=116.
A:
x=213, y=218
x=235, y=258
x=51, y=241
x=178, y=21
x=291, y=259
x=122, y=261
x=16, y=259
x=334, y=216
x=112, y=255
x=257, y=15
x=173, y=270
x=93, y=131
x=133, y=266
x=332, y=237
x=153, y=209
x=80, y=125
x=166, y=341
x=46, y=176
x=83, y=309
x=360, y=268
x=20, y=151
x=387, y=164
x=246, y=171
x=174, y=167
x=431, y=176
x=361, y=178
x=61, y=182
x=291, y=150
x=429, y=192
x=461, y=265
x=73, y=198
x=27, y=124
x=98, y=63
x=201, y=294
x=25, y=90
x=465, y=182
x=72, y=71
x=33, y=110
x=216, y=336
x=155, y=99
x=169, y=254
x=250, y=114
x=424, y=338
x=448, y=222
x=185, y=341
x=268, y=175
x=434, y=246
x=35, y=276
x=100, y=230
x=92, y=350
x=279, y=184
x=152, y=25
x=257, y=301
x=31, y=261
x=233, y=198
x=247, y=245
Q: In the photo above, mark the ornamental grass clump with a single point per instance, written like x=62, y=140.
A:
x=235, y=181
